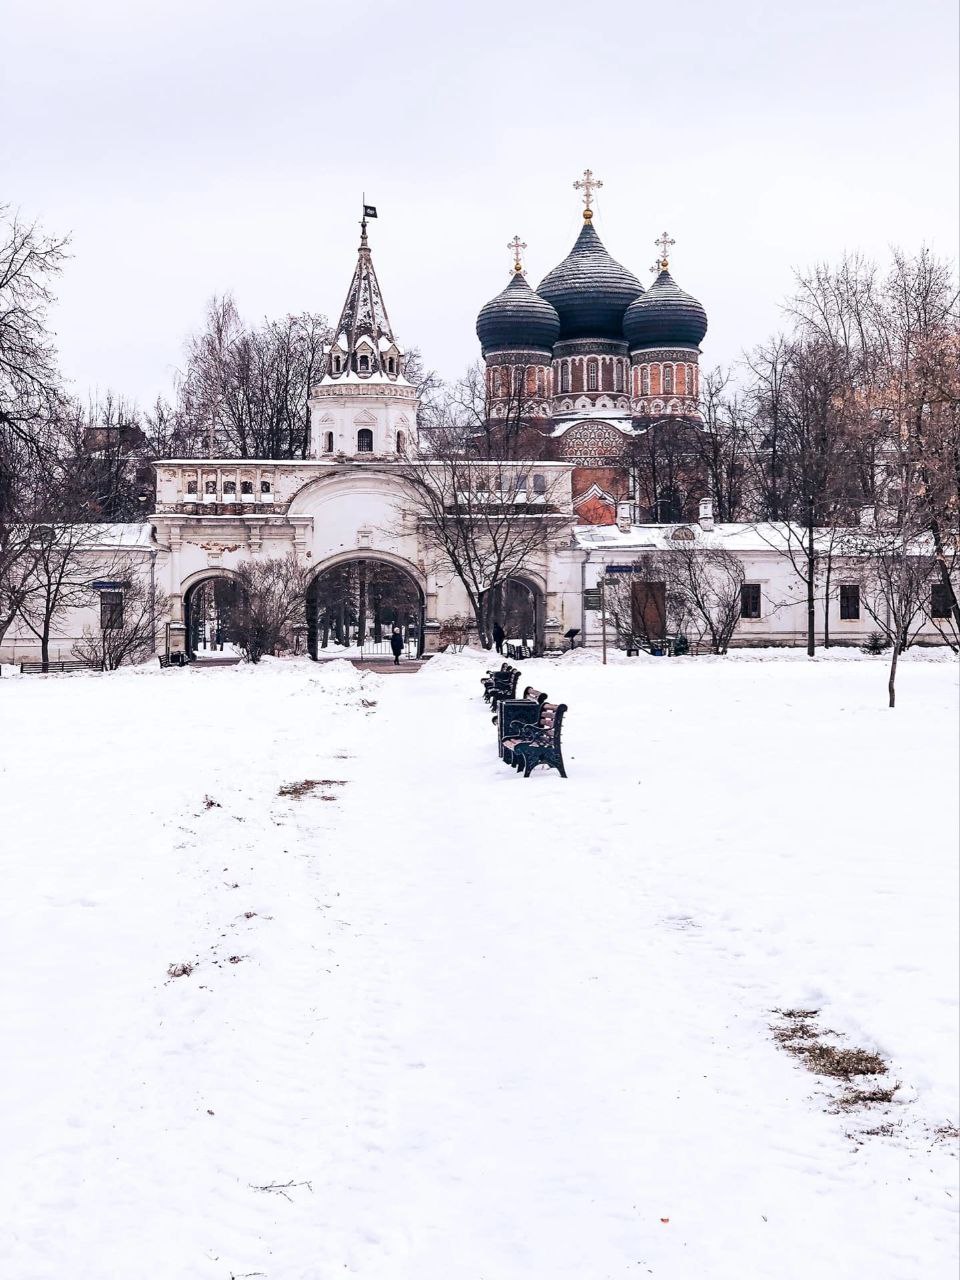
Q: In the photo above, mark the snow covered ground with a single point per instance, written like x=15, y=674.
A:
x=445, y=1023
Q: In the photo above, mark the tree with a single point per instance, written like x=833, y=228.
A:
x=270, y=605
x=130, y=620
x=59, y=578
x=244, y=390
x=802, y=470
x=692, y=590
x=723, y=446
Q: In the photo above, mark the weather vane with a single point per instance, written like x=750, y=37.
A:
x=587, y=184
x=516, y=247
x=663, y=242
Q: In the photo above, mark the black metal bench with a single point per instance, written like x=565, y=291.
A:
x=172, y=659
x=497, y=681
x=68, y=664
x=515, y=713
x=538, y=743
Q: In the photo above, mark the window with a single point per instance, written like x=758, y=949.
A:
x=363, y=364
x=390, y=364
x=592, y=375
x=246, y=486
x=619, y=375
x=401, y=442
x=940, y=601
x=668, y=379
x=364, y=440
x=522, y=482
x=565, y=376
x=850, y=603
x=337, y=364
x=750, y=600
x=328, y=442
x=539, y=484
x=229, y=487
x=111, y=610
x=264, y=486
x=689, y=379
x=191, y=486
x=210, y=488
x=645, y=380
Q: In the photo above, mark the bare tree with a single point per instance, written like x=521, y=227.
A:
x=724, y=446
x=130, y=621
x=244, y=390
x=270, y=605
x=59, y=579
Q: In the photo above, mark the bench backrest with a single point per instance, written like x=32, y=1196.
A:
x=534, y=695
x=551, y=718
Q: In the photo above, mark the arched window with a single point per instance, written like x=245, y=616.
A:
x=265, y=487
x=668, y=379
x=246, y=487
x=390, y=364
x=337, y=364
x=364, y=440
x=363, y=364
x=690, y=382
x=618, y=375
x=593, y=375
x=328, y=442
x=401, y=442
x=565, y=376
x=645, y=380
x=668, y=507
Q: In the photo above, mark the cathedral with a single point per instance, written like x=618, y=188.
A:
x=598, y=375
x=597, y=364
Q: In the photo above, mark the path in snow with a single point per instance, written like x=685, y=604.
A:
x=501, y=1028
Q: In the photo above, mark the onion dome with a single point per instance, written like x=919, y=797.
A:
x=589, y=289
x=664, y=317
x=517, y=319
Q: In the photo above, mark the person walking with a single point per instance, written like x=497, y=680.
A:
x=396, y=644
x=499, y=635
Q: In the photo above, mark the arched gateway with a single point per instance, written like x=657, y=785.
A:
x=357, y=601
x=209, y=613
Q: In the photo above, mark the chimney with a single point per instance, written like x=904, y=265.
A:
x=624, y=518
x=706, y=515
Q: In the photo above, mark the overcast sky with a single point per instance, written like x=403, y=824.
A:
x=192, y=147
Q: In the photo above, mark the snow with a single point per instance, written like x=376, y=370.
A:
x=485, y=1027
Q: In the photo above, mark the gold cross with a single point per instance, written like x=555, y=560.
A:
x=516, y=245
x=664, y=242
x=587, y=184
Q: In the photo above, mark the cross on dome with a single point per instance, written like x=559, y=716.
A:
x=663, y=241
x=516, y=246
x=587, y=184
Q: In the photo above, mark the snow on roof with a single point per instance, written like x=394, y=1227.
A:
x=761, y=536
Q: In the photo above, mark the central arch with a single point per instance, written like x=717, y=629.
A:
x=518, y=608
x=357, y=600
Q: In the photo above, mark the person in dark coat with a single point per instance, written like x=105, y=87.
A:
x=499, y=635
x=396, y=644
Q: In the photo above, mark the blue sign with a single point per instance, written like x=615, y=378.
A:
x=107, y=586
x=622, y=568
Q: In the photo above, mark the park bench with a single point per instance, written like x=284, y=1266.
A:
x=497, y=681
x=512, y=713
x=172, y=659
x=67, y=664
x=530, y=745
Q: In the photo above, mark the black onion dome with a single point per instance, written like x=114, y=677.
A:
x=590, y=290
x=664, y=317
x=516, y=319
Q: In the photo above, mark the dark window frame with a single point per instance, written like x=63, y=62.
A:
x=111, y=610
x=751, y=597
x=849, y=602
x=940, y=602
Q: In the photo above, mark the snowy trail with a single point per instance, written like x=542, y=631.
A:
x=547, y=1100
x=486, y=1027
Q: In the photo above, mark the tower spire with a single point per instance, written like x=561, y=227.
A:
x=364, y=343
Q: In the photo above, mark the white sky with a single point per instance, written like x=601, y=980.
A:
x=192, y=147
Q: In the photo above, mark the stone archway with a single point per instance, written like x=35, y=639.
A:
x=519, y=608
x=355, y=601
x=209, y=600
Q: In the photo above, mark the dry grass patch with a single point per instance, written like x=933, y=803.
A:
x=297, y=790
x=799, y=1034
x=182, y=970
